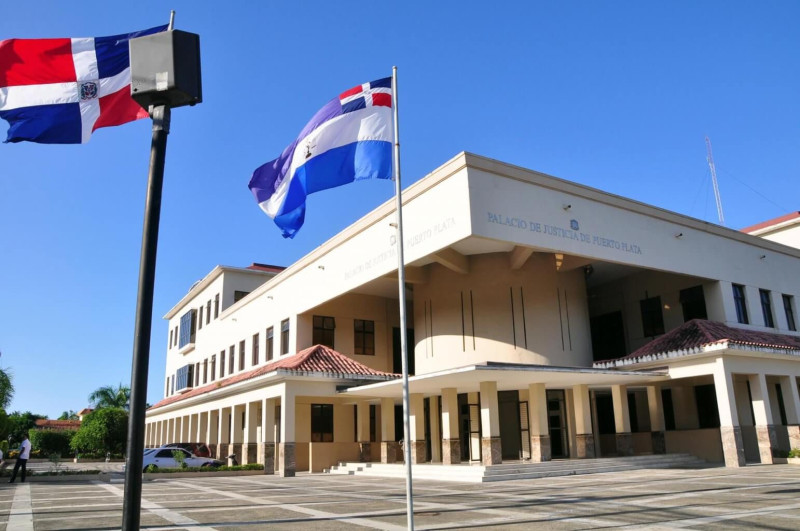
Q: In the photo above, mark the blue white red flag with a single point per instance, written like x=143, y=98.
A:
x=57, y=91
x=349, y=139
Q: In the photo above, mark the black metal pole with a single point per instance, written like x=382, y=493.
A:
x=132, y=504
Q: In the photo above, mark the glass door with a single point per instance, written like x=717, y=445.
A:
x=557, y=424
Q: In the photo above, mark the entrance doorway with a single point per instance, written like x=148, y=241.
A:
x=508, y=404
x=557, y=424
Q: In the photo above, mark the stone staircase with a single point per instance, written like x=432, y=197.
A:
x=518, y=469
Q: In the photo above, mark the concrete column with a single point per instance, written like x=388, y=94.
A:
x=436, y=453
x=267, y=447
x=539, y=428
x=491, y=451
x=584, y=438
x=212, y=432
x=417, y=427
x=185, y=428
x=765, y=424
x=362, y=432
x=622, y=420
x=791, y=402
x=389, y=446
x=202, y=428
x=222, y=433
x=730, y=432
x=656, y=408
x=249, y=442
x=191, y=428
x=174, y=433
x=287, y=464
x=451, y=444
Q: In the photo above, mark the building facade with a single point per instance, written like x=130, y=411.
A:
x=546, y=320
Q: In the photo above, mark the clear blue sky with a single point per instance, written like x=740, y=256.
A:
x=614, y=95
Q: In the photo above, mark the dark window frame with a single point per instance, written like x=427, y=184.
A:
x=693, y=303
x=788, y=309
x=241, y=354
x=363, y=337
x=766, y=307
x=322, y=422
x=216, y=305
x=187, y=328
x=208, y=311
x=270, y=343
x=652, y=316
x=254, y=350
x=284, y=337
x=323, y=330
x=231, y=359
x=740, y=302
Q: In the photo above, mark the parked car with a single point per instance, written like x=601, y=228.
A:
x=163, y=458
x=198, y=449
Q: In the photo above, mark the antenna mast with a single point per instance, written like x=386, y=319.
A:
x=710, y=158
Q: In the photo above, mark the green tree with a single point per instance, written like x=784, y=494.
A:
x=50, y=442
x=102, y=430
x=6, y=388
x=107, y=396
x=19, y=424
x=68, y=415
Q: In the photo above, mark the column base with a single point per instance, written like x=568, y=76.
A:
x=266, y=455
x=287, y=463
x=249, y=453
x=364, y=452
x=659, y=440
x=540, y=448
x=624, y=444
x=767, y=443
x=584, y=446
x=212, y=450
x=491, y=451
x=793, y=431
x=389, y=450
x=732, y=445
x=451, y=451
x=418, y=452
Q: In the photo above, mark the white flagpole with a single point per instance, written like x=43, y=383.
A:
x=401, y=279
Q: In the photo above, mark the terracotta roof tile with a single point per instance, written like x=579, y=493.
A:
x=771, y=222
x=48, y=424
x=699, y=333
x=318, y=359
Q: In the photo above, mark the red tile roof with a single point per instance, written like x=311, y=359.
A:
x=771, y=222
x=699, y=333
x=47, y=424
x=265, y=267
x=317, y=360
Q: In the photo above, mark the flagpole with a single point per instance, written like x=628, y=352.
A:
x=401, y=279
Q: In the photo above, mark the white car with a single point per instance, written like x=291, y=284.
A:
x=163, y=458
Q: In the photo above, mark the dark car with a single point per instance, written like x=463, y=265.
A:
x=198, y=449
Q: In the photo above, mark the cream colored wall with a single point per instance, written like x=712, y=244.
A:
x=490, y=286
x=705, y=444
x=787, y=235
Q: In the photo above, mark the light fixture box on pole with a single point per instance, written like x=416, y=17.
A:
x=165, y=69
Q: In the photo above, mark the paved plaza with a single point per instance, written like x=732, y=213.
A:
x=766, y=497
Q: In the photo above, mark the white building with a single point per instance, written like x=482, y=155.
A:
x=546, y=320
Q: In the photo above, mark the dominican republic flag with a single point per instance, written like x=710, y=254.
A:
x=57, y=91
x=349, y=139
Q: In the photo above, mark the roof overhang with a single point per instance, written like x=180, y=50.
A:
x=729, y=348
x=509, y=376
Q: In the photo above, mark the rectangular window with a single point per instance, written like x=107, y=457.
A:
x=255, y=349
x=188, y=322
x=239, y=295
x=788, y=308
x=166, y=388
x=170, y=339
x=323, y=331
x=208, y=311
x=285, y=336
x=781, y=405
x=231, y=358
x=197, y=374
x=172, y=379
x=364, y=337
x=652, y=318
x=706, y=399
x=669, y=409
x=740, y=303
x=214, y=365
x=373, y=423
x=241, y=355
x=321, y=422
x=200, y=319
x=205, y=370
x=766, y=308
x=216, y=305
x=184, y=377
x=270, y=344
x=176, y=335
x=693, y=303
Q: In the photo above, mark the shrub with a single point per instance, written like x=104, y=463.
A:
x=104, y=430
x=49, y=442
x=180, y=457
x=794, y=452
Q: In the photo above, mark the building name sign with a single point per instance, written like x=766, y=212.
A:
x=571, y=233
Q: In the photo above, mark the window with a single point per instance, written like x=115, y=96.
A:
x=364, y=337
x=241, y=355
x=200, y=319
x=184, y=377
x=693, y=303
x=197, y=374
x=781, y=405
x=788, y=308
x=205, y=370
x=170, y=339
x=373, y=423
x=321, y=422
x=239, y=295
x=269, y=347
x=231, y=355
x=214, y=365
x=740, y=303
x=285, y=336
x=166, y=387
x=208, y=311
x=255, y=349
x=707, y=413
x=176, y=335
x=323, y=331
x=766, y=308
x=216, y=305
x=669, y=409
x=172, y=391
x=188, y=321
x=652, y=318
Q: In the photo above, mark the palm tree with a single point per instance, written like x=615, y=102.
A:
x=108, y=396
x=6, y=388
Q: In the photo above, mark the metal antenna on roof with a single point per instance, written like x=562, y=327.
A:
x=710, y=159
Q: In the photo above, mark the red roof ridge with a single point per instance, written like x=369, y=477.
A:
x=771, y=222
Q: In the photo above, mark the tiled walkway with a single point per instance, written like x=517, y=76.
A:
x=715, y=498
